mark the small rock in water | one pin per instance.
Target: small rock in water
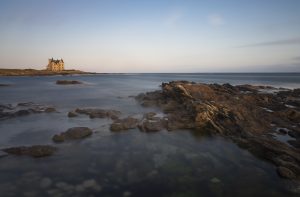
(124, 124)
(99, 113)
(50, 109)
(215, 180)
(33, 151)
(67, 82)
(72, 114)
(73, 134)
(45, 183)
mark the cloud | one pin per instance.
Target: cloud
(216, 20)
(291, 41)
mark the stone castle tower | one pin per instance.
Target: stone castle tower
(55, 65)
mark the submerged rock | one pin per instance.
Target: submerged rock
(67, 82)
(33, 151)
(73, 134)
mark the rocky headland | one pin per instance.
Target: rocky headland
(33, 72)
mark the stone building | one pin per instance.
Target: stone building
(55, 65)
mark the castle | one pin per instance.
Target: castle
(56, 65)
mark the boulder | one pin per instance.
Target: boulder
(73, 134)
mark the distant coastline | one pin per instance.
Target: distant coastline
(34, 72)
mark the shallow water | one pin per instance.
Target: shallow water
(132, 163)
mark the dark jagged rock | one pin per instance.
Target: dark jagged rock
(244, 113)
(73, 134)
(23, 109)
(67, 82)
(99, 113)
(33, 151)
(124, 124)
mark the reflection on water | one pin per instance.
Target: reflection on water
(180, 163)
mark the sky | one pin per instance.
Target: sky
(137, 36)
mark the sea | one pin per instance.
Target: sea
(181, 163)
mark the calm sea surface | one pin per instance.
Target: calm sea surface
(178, 163)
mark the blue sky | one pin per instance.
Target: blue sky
(152, 36)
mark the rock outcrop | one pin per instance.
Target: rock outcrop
(249, 115)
